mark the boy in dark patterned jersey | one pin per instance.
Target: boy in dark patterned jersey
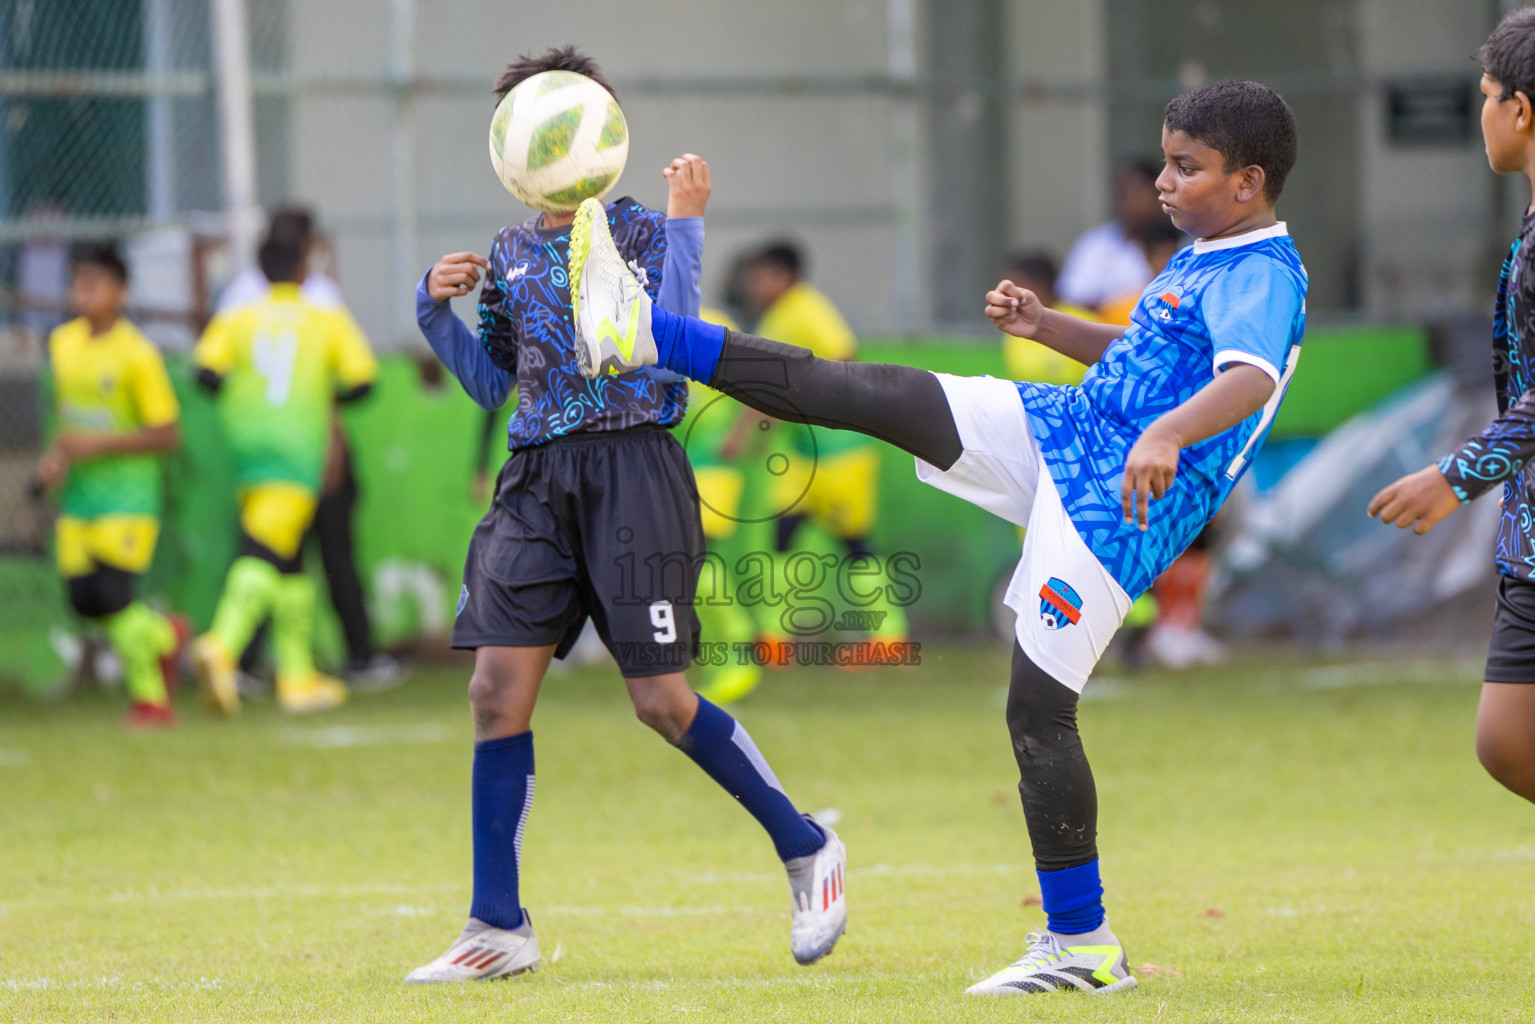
(595, 515)
(1501, 454)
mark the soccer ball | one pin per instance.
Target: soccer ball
(558, 138)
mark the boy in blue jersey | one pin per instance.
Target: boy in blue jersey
(595, 515)
(1501, 454)
(1112, 479)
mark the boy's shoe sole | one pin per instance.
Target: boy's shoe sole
(608, 302)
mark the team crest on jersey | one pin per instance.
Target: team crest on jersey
(1166, 304)
(1059, 605)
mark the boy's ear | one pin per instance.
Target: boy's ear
(1524, 120)
(1250, 181)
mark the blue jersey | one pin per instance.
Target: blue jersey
(1232, 300)
(1501, 454)
(527, 338)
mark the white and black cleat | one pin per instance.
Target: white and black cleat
(608, 300)
(1098, 969)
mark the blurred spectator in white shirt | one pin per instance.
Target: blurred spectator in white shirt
(251, 285)
(1108, 261)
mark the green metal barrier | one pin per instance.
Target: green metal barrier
(414, 446)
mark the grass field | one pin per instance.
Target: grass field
(1284, 842)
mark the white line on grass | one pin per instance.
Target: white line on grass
(236, 893)
(576, 910)
(117, 984)
(734, 983)
(335, 736)
(869, 870)
(1333, 677)
(600, 911)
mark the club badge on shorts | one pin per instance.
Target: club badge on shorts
(1059, 605)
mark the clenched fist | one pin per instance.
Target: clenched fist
(454, 275)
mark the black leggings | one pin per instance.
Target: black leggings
(908, 408)
(103, 591)
(1055, 782)
(899, 404)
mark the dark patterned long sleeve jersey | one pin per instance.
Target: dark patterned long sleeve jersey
(1502, 453)
(526, 329)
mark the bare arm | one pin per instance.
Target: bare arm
(1018, 311)
(1220, 405)
(68, 448)
(77, 447)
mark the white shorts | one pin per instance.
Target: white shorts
(1068, 605)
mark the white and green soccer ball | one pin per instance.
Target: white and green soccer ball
(558, 138)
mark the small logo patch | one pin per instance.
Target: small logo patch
(1167, 304)
(1059, 605)
(463, 598)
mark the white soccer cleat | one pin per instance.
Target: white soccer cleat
(1049, 967)
(820, 904)
(607, 298)
(482, 953)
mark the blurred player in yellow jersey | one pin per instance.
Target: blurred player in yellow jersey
(1029, 360)
(116, 415)
(725, 507)
(1160, 241)
(838, 473)
(278, 367)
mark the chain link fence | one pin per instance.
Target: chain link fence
(107, 131)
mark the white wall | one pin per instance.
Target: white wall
(808, 165)
(1427, 217)
(1058, 175)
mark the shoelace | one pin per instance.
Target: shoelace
(1042, 950)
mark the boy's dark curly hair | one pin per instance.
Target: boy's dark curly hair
(1246, 122)
(559, 58)
(1508, 55)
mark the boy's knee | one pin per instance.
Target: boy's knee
(487, 686)
(662, 708)
(1039, 704)
(1507, 760)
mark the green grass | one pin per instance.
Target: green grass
(1287, 842)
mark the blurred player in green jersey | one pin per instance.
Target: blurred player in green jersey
(116, 415)
(278, 367)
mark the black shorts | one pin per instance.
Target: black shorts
(1511, 652)
(601, 525)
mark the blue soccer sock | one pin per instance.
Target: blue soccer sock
(685, 345)
(501, 796)
(1073, 898)
(723, 748)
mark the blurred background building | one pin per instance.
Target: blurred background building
(907, 143)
